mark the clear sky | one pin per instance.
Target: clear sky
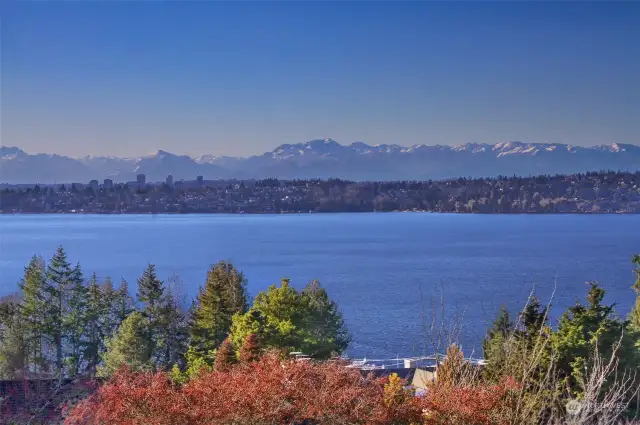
(130, 77)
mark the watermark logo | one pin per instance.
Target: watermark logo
(573, 407)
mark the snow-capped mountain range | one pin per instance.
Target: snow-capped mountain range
(325, 158)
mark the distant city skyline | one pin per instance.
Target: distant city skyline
(238, 79)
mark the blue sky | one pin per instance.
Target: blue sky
(130, 77)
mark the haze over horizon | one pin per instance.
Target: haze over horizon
(129, 78)
(307, 142)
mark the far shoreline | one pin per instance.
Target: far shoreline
(142, 213)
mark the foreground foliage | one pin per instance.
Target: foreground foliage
(276, 391)
(226, 360)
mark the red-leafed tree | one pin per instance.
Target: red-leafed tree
(250, 350)
(225, 356)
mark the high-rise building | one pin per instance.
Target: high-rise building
(200, 180)
(108, 184)
(169, 180)
(142, 179)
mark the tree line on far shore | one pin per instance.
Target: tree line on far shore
(593, 192)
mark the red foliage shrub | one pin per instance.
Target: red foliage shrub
(267, 391)
(478, 404)
(132, 398)
(272, 390)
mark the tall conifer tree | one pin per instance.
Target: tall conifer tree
(13, 348)
(150, 288)
(33, 309)
(174, 333)
(324, 322)
(59, 277)
(223, 295)
(96, 316)
(74, 321)
(150, 294)
(123, 305)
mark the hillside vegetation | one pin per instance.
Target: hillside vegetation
(603, 192)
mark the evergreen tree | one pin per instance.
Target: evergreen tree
(150, 288)
(74, 321)
(172, 334)
(225, 356)
(59, 279)
(109, 307)
(533, 318)
(284, 318)
(150, 295)
(255, 322)
(122, 305)
(13, 347)
(108, 286)
(324, 322)
(196, 363)
(502, 327)
(166, 324)
(277, 317)
(96, 317)
(34, 309)
(582, 330)
(223, 295)
(116, 305)
(177, 376)
(129, 346)
(497, 344)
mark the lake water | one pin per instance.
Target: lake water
(386, 271)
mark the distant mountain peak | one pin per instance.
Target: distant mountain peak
(324, 158)
(160, 153)
(322, 142)
(8, 152)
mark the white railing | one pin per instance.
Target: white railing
(404, 362)
(394, 363)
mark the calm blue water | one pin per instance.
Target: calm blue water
(374, 265)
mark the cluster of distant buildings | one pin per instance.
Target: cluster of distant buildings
(141, 181)
(109, 184)
(605, 192)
